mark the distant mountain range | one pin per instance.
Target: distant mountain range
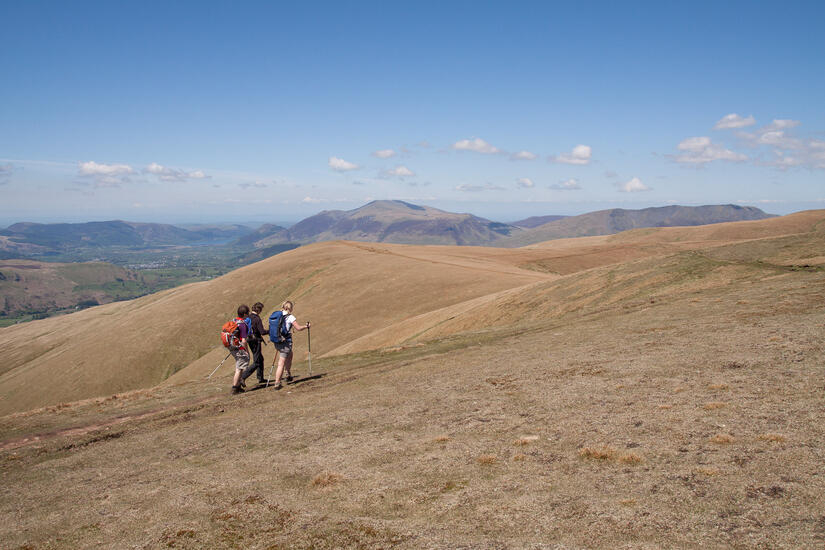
(616, 220)
(405, 223)
(386, 221)
(378, 221)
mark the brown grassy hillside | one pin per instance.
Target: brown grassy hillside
(359, 296)
(671, 401)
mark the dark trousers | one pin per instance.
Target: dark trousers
(257, 360)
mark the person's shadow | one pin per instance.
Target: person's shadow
(295, 381)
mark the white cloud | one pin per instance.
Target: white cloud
(782, 124)
(341, 165)
(567, 185)
(311, 200)
(633, 186)
(92, 168)
(399, 171)
(525, 183)
(734, 121)
(105, 175)
(788, 151)
(165, 173)
(523, 155)
(579, 155)
(477, 144)
(701, 150)
(384, 153)
(466, 188)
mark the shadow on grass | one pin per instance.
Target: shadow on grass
(294, 382)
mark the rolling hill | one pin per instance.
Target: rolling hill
(399, 293)
(657, 388)
(616, 220)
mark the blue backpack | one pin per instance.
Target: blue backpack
(277, 328)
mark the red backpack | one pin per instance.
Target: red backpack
(230, 333)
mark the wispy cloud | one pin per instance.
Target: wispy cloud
(571, 184)
(6, 171)
(255, 185)
(384, 153)
(467, 188)
(476, 144)
(523, 155)
(341, 165)
(635, 185)
(701, 150)
(787, 150)
(525, 183)
(105, 175)
(579, 155)
(164, 173)
(734, 121)
(399, 172)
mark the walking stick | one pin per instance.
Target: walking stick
(219, 366)
(309, 348)
(270, 370)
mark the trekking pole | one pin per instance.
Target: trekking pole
(270, 370)
(219, 366)
(309, 348)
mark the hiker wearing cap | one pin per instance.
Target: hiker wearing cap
(255, 341)
(239, 347)
(280, 333)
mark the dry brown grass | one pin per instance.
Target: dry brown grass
(628, 502)
(722, 439)
(720, 387)
(519, 457)
(609, 454)
(521, 442)
(666, 407)
(772, 437)
(707, 471)
(326, 479)
(442, 439)
(487, 460)
(713, 405)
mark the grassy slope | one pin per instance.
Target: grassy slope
(678, 405)
(346, 290)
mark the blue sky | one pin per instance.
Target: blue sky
(199, 111)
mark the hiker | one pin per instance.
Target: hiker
(280, 333)
(255, 341)
(239, 347)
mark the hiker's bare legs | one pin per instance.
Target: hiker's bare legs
(284, 363)
(237, 380)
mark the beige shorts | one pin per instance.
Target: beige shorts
(241, 358)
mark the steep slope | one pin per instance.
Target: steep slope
(37, 287)
(606, 222)
(346, 289)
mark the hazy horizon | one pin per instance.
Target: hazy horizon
(257, 221)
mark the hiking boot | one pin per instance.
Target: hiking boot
(236, 389)
(243, 384)
(289, 379)
(261, 382)
(277, 386)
